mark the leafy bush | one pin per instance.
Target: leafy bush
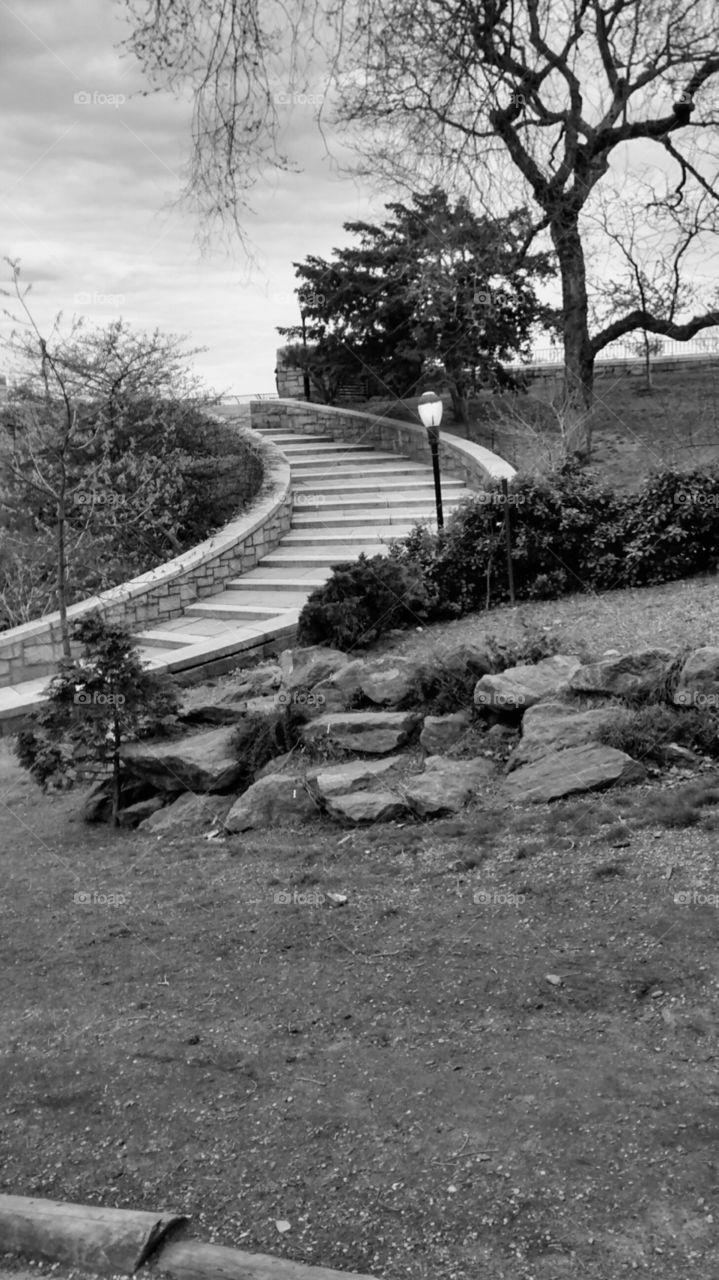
(362, 600)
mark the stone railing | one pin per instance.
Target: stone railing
(32, 651)
(469, 462)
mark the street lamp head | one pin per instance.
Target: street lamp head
(430, 409)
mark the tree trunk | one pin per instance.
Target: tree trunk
(62, 572)
(578, 354)
(458, 394)
(647, 362)
(116, 769)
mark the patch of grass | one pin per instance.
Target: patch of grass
(646, 732)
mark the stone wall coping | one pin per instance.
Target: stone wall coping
(273, 493)
(494, 467)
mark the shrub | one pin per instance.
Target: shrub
(362, 600)
(95, 703)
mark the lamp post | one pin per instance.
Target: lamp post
(430, 411)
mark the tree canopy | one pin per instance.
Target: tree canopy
(434, 289)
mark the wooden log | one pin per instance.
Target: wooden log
(90, 1236)
(191, 1260)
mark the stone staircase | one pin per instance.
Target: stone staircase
(348, 499)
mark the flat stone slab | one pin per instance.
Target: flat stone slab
(373, 732)
(514, 690)
(272, 801)
(555, 726)
(200, 762)
(698, 684)
(440, 732)
(446, 786)
(368, 806)
(188, 815)
(354, 775)
(624, 675)
(562, 773)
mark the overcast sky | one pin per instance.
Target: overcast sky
(88, 187)
(91, 169)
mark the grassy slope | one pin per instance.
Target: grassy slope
(397, 1078)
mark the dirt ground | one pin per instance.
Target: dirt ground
(498, 1059)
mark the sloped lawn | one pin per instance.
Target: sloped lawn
(497, 1060)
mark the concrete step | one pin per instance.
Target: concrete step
(296, 437)
(366, 475)
(308, 559)
(300, 445)
(330, 537)
(353, 458)
(167, 639)
(384, 483)
(290, 598)
(278, 579)
(227, 606)
(351, 512)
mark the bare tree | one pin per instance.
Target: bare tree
(656, 266)
(525, 101)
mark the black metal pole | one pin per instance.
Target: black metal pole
(508, 538)
(434, 446)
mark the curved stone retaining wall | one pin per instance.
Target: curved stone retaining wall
(469, 462)
(33, 650)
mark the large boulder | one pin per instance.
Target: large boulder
(368, 806)
(477, 656)
(388, 681)
(353, 775)
(372, 732)
(698, 684)
(624, 675)
(446, 786)
(514, 690)
(304, 668)
(189, 815)
(554, 726)
(441, 732)
(274, 801)
(204, 762)
(562, 773)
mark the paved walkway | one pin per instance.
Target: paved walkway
(348, 498)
